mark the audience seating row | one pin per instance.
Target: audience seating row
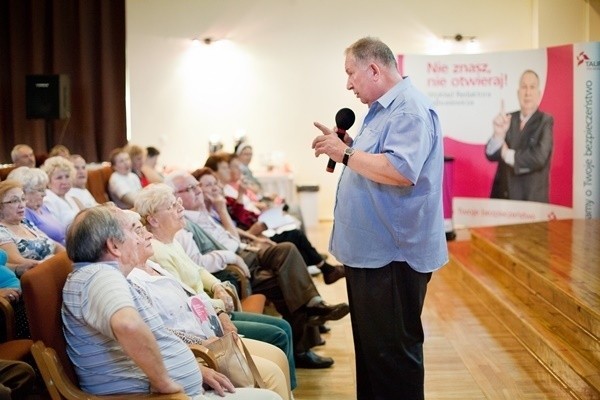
(97, 181)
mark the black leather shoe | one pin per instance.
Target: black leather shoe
(324, 329)
(333, 274)
(312, 360)
(322, 312)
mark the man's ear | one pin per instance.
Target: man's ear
(375, 71)
(113, 248)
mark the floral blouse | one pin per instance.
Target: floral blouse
(36, 248)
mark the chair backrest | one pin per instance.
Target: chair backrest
(8, 315)
(4, 171)
(11, 348)
(42, 289)
(97, 183)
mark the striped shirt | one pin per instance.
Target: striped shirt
(91, 296)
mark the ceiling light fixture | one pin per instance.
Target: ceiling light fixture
(460, 37)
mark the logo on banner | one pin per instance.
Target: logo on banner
(583, 58)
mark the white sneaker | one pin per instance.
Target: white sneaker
(313, 270)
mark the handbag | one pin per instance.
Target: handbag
(234, 361)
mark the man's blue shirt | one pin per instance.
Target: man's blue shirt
(375, 224)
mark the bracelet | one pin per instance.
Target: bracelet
(220, 312)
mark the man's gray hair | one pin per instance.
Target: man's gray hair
(30, 178)
(175, 175)
(90, 230)
(372, 49)
(14, 154)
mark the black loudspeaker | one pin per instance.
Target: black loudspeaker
(48, 97)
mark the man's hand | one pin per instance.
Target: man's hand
(262, 242)
(239, 261)
(167, 386)
(329, 143)
(217, 381)
(501, 123)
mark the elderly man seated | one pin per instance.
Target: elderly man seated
(115, 338)
(22, 156)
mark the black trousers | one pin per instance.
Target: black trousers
(385, 310)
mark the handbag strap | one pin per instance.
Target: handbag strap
(258, 380)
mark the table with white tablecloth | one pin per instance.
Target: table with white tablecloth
(280, 183)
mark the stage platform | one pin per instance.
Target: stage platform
(542, 282)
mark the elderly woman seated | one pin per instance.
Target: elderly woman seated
(23, 242)
(162, 214)
(173, 305)
(60, 173)
(34, 182)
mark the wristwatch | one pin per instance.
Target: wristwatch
(347, 153)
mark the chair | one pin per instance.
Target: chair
(42, 287)
(254, 303)
(4, 171)
(60, 386)
(97, 183)
(237, 271)
(11, 348)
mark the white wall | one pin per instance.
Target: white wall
(282, 66)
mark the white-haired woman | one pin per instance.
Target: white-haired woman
(34, 182)
(60, 173)
(162, 214)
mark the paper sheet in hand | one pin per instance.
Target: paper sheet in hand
(275, 219)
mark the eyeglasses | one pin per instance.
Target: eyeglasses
(178, 202)
(15, 201)
(189, 189)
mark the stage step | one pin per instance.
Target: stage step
(558, 328)
(559, 260)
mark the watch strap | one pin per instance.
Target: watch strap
(349, 151)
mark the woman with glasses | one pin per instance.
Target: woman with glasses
(34, 182)
(24, 243)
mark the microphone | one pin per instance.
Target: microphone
(344, 119)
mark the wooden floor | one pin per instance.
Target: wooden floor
(473, 349)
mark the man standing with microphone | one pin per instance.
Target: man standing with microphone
(388, 220)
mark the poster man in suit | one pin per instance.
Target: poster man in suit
(522, 146)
